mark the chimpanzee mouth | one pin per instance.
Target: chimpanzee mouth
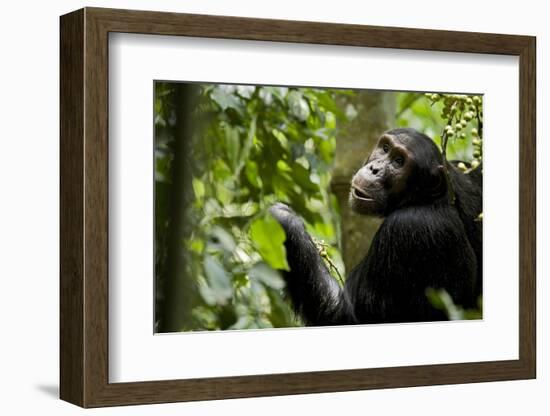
(360, 194)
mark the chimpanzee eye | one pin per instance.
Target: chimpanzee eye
(399, 161)
(386, 148)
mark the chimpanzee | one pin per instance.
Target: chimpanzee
(430, 238)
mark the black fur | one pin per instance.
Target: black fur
(427, 241)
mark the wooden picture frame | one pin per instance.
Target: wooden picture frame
(84, 207)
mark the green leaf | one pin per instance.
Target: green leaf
(245, 91)
(223, 194)
(218, 279)
(239, 210)
(266, 275)
(221, 171)
(282, 315)
(279, 135)
(198, 188)
(247, 146)
(282, 166)
(224, 238)
(298, 106)
(233, 144)
(440, 299)
(196, 245)
(435, 299)
(326, 149)
(244, 322)
(226, 99)
(330, 120)
(268, 237)
(302, 177)
(252, 174)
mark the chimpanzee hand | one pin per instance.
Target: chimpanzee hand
(289, 220)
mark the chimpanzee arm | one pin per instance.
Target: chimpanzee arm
(315, 294)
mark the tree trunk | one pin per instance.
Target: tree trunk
(375, 114)
(180, 292)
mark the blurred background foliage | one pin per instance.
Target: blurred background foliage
(223, 155)
(430, 114)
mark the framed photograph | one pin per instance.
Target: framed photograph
(255, 207)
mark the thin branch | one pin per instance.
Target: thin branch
(444, 143)
(322, 249)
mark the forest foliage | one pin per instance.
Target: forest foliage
(250, 146)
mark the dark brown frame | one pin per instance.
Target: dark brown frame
(84, 210)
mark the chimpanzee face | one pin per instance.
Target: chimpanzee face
(397, 173)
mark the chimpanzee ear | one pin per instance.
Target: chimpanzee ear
(438, 186)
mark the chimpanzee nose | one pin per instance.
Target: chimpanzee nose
(373, 169)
